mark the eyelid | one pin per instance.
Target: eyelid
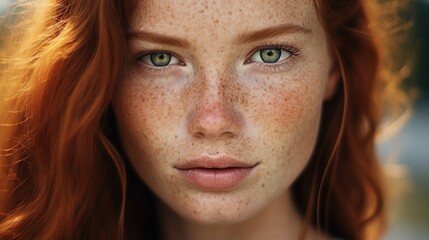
(141, 55)
(292, 50)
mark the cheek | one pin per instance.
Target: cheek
(287, 123)
(132, 113)
(144, 110)
(288, 111)
(143, 115)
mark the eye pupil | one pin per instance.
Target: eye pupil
(270, 55)
(160, 59)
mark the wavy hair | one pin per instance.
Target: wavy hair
(62, 173)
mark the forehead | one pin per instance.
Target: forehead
(200, 17)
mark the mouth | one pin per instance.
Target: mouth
(219, 173)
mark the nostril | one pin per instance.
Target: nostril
(227, 134)
(199, 135)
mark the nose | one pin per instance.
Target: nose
(214, 116)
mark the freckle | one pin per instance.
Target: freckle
(263, 185)
(243, 100)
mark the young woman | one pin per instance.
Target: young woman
(191, 120)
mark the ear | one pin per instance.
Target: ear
(332, 82)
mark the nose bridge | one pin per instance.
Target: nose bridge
(214, 114)
(214, 87)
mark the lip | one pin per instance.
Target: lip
(215, 173)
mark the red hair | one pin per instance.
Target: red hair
(61, 170)
(347, 194)
(60, 166)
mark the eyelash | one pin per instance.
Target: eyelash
(155, 69)
(294, 52)
(271, 66)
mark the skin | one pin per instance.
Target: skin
(217, 100)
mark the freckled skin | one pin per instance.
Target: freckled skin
(216, 104)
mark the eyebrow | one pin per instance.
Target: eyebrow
(270, 33)
(158, 38)
(240, 39)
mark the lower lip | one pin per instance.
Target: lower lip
(215, 179)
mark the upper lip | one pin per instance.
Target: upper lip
(213, 162)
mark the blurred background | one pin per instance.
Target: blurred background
(406, 155)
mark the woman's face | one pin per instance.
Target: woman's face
(219, 108)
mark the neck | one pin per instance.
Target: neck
(278, 220)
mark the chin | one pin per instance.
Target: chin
(215, 209)
(218, 216)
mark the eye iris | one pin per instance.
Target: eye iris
(160, 59)
(270, 55)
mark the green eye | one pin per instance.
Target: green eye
(160, 59)
(270, 55)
